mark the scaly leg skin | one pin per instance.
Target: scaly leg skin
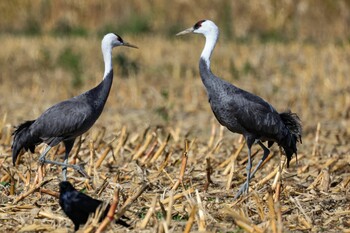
(266, 153)
(68, 145)
(78, 168)
(245, 186)
(43, 155)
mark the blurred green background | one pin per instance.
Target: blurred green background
(267, 20)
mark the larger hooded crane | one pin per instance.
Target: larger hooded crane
(242, 112)
(65, 121)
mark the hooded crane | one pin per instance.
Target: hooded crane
(65, 121)
(242, 112)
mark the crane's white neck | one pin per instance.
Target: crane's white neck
(210, 43)
(107, 57)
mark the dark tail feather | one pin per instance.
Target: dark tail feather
(293, 123)
(22, 139)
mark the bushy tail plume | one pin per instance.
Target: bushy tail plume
(22, 139)
(293, 123)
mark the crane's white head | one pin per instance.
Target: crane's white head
(205, 27)
(112, 40)
(211, 33)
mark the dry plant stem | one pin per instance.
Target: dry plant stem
(165, 227)
(50, 192)
(100, 136)
(232, 158)
(122, 139)
(274, 172)
(229, 178)
(166, 161)
(279, 217)
(75, 156)
(2, 123)
(212, 134)
(242, 221)
(28, 176)
(32, 190)
(277, 177)
(160, 150)
(201, 220)
(8, 136)
(208, 173)
(92, 156)
(267, 159)
(317, 137)
(179, 195)
(276, 185)
(41, 174)
(148, 156)
(191, 219)
(12, 186)
(149, 213)
(214, 149)
(272, 214)
(5, 177)
(130, 200)
(183, 166)
(277, 191)
(162, 209)
(259, 205)
(110, 215)
(307, 218)
(142, 149)
(103, 156)
(170, 207)
(325, 182)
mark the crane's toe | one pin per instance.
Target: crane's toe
(81, 170)
(244, 189)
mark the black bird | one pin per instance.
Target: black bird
(242, 112)
(65, 121)
(78, 206)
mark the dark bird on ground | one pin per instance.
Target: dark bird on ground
(242, 112)
(79, 206)
(65, 121)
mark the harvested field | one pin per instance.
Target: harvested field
(158, 138)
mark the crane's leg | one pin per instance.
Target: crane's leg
(43, 155)
(266, 153)
(68, 145)
(245, 187)
(75, 167)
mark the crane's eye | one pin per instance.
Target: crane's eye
(198, 24)
(120, 39)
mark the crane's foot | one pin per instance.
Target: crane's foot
(244, 189)
(78, 168)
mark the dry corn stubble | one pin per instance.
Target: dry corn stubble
(130, 144)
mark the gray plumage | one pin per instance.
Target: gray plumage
(65, 121)
(242, 112)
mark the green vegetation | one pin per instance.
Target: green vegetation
(71, 61)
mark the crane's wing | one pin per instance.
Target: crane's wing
(64, 119)
(255, 115)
